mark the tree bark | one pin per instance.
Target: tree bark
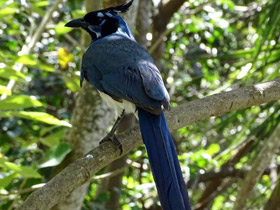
(81, 170)
(142, 22)
(273, 202)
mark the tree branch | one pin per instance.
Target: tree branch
(222, 173)
(273, 202)
(81, 170)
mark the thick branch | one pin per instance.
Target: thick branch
(82, 169)
(273, 202)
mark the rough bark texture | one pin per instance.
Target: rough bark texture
(142, 22)
(262, 160)
(273, 202)
(81, 170)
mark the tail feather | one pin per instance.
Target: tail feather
(164, 161)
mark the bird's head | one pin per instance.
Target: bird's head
(104, 22)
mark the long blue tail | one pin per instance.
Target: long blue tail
(164, 161)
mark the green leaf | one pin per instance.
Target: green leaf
(56, 155)
(36, 116)
(19, 102)
(7, 11)
(61, 29)
(4, 90)
(29, 172)
(77, 13)
(32, 61)
(25, 171)
(9, 73)
(73, 82)
(53, 139)
(29, 60)
(46, 130)
(45, 67)
(5, 181)
(42, 4)
(213, 148)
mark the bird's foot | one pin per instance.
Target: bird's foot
(112, 138)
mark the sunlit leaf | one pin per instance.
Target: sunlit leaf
(42, 3)
(9, 73)
(4, 90)
(61, 29)
(19, 102)
(213, 148)
(29, 60)
(56, 155)
(25, 171)
(7, 11)
(36, 116)
(77, 13)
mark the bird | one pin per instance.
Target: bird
(127, 78)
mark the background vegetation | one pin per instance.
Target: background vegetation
(202, 47)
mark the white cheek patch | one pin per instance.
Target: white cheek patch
(96, 30)
(100, 15)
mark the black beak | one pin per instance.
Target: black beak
(76, 23)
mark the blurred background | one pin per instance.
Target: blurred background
(201, 47)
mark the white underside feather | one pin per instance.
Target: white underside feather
(119, 106)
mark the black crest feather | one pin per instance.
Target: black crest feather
(122, 8)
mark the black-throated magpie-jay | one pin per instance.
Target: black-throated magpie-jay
(126, 77)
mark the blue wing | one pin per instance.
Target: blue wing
(123, 69)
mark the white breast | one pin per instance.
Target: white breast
(119, 106)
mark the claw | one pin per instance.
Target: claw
(111, 136)
(114, 139)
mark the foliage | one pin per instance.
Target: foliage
(213, 46)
